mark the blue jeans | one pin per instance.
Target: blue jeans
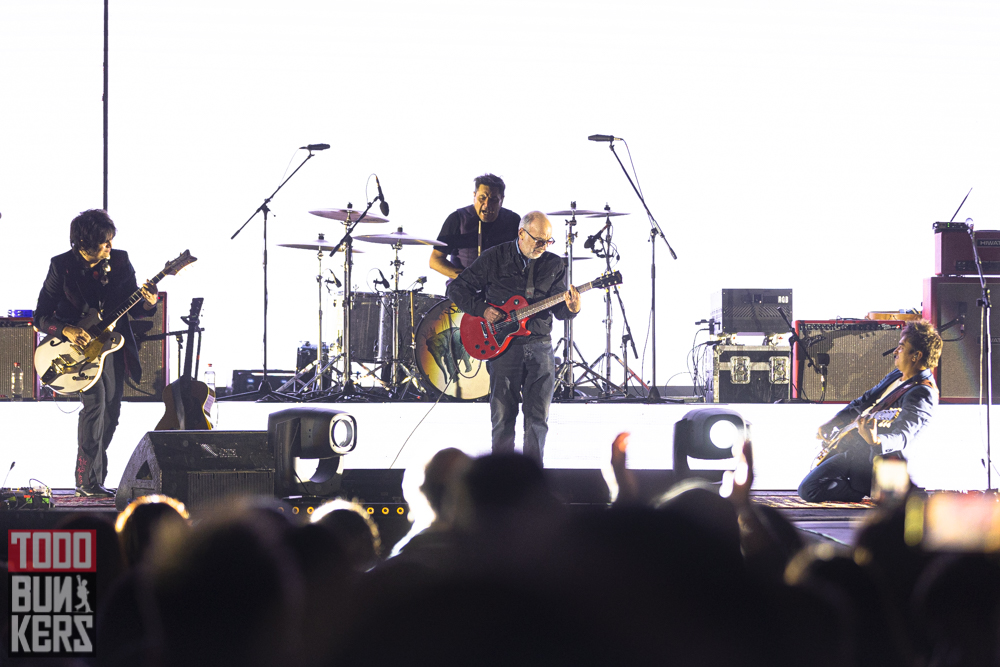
(842, 477)
(524, 373)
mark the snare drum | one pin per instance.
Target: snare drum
(442, 360)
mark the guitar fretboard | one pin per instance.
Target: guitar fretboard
(128, 305)
(545, 304)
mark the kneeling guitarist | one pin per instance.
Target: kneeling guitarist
(880, 423)
(525, 371)
(92, 275)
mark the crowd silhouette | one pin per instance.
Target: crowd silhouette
(508, 575)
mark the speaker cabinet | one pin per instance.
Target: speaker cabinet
(854, 354)
(202, 469)
(17, 344)
(152, 355)
(951, 305)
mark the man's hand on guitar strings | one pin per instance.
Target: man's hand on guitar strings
(76, 335)
(493, 315)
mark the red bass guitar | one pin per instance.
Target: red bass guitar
(483, 340)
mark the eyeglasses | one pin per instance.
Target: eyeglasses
(538, 241)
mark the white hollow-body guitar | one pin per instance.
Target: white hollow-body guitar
(67, 368)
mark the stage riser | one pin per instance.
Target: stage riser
(41, 438)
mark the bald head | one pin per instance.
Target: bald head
(532, 235)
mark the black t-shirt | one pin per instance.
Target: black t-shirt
(460, 233)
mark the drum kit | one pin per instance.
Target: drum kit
(404, 340)
(409, 343)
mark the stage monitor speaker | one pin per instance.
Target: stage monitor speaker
(951, 305)
(18, 340)
(202, 469)
(854, 352)
(152, 355)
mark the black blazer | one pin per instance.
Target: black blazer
(71, 289)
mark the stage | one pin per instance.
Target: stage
(40, 437)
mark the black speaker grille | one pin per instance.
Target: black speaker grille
(215, 488)
(17, 343)
(152, 356)
(856, 362)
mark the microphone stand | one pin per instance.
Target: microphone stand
(655, 230)
(264, 390)
(795, 340)
(985, 353)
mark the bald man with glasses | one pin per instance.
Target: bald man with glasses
(525, 372)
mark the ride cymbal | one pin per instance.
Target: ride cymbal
(342, 214)
(398, 237)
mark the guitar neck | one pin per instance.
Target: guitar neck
(135, 298)
(551, 301)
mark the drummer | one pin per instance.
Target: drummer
(469, 231)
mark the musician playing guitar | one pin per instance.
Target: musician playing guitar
(525, 371)
(902, 403)
(92, 275)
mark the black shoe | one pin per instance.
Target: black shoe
(93, 491)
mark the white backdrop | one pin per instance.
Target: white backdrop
(780, 143)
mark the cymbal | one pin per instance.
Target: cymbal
(606, 214)
(575, 259)
(579, 211)
(316, 244)
(398, 236)
(342, 213)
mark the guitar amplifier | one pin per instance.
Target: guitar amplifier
(17, 344)
(951, 305)
(152, 356)
(752, 311)
(853, 351)
(953, 250)
(751, 373)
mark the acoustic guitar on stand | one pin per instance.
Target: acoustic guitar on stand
(67, 368)
(484, 341)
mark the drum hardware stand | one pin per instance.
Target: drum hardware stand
(655, 231)
(264, 389)
(605, 252)
(565, 386)
(317, 380)
(397, 365)
(348, 389)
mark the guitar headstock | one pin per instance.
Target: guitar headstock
(174, 266)
(608, 280)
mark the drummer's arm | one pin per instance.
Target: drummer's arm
(439, 262)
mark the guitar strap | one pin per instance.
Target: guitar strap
(529, 292)
(898, 393)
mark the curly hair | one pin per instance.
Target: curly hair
(924, 338)
(492, 181)
(90, 230)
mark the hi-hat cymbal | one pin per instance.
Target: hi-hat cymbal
(343, 213)
(316, 244)
(606, 214)
(579, 211)
(398, 236)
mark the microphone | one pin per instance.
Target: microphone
(383, 282)
(334, 276)
(384, 206)
(314, 147)
(589, 245)
(604, 137)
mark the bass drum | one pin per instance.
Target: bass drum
(443, 363)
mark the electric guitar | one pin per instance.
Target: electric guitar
(67, 368)
(842, 440)
(187, 402)
(485, 341)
